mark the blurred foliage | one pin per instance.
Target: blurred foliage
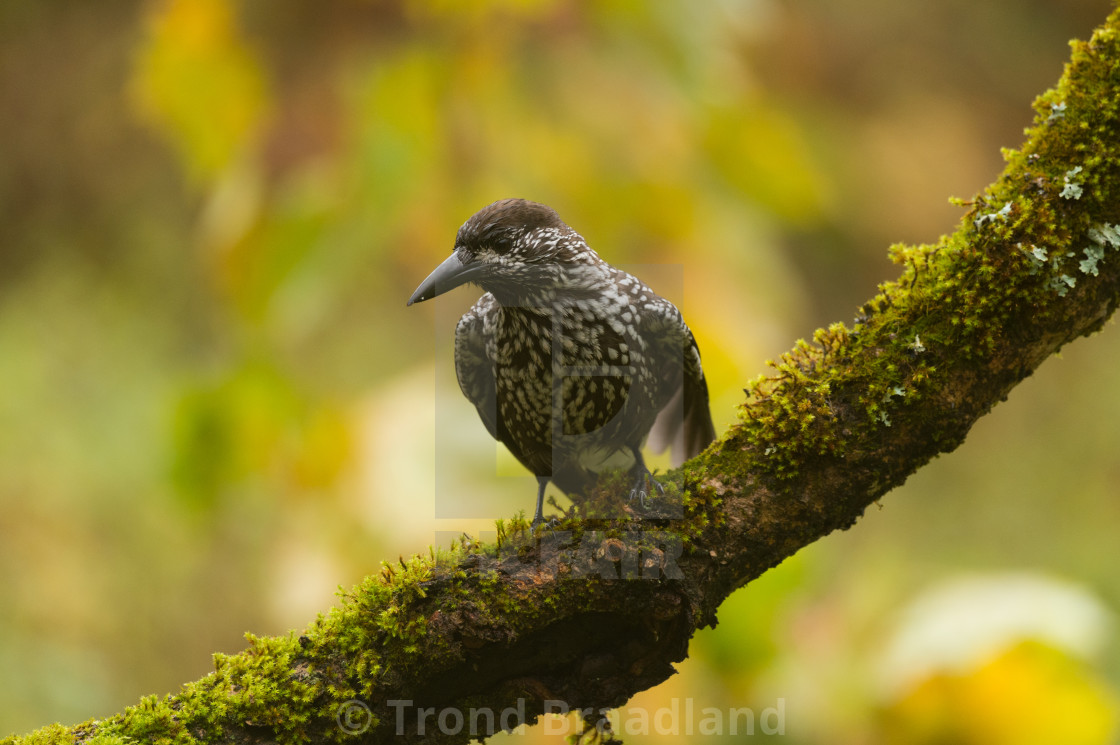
(254, 422)
(197, 80)
(1029, 694)
(216, 408)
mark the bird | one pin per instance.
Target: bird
(570, 362)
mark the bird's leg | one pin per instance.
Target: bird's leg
(542, 482)
(643, 479)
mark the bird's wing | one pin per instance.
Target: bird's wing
(684, 424)
(473, 368)
(699, 432)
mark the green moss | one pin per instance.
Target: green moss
(52, 734)
(1036, 235)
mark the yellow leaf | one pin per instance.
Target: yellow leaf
(199, 84)
(1031, 694)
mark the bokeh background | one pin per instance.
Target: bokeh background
(215, 408)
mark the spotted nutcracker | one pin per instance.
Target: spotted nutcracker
(569, 361)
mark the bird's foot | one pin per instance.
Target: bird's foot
(641, 488)
(538, 516)
(550, 524)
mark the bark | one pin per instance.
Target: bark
(596, 610)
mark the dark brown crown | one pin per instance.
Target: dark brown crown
(498, 225)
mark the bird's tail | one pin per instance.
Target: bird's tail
(684, 426)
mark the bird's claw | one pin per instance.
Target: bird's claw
(639, 491)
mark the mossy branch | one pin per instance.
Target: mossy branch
(593, 612)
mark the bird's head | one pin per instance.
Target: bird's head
(513, 248)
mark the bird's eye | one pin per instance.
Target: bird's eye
(501, 243)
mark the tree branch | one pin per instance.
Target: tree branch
(596, 611)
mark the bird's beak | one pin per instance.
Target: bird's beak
(447, 276)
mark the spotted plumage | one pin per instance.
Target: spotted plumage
(568, 360)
